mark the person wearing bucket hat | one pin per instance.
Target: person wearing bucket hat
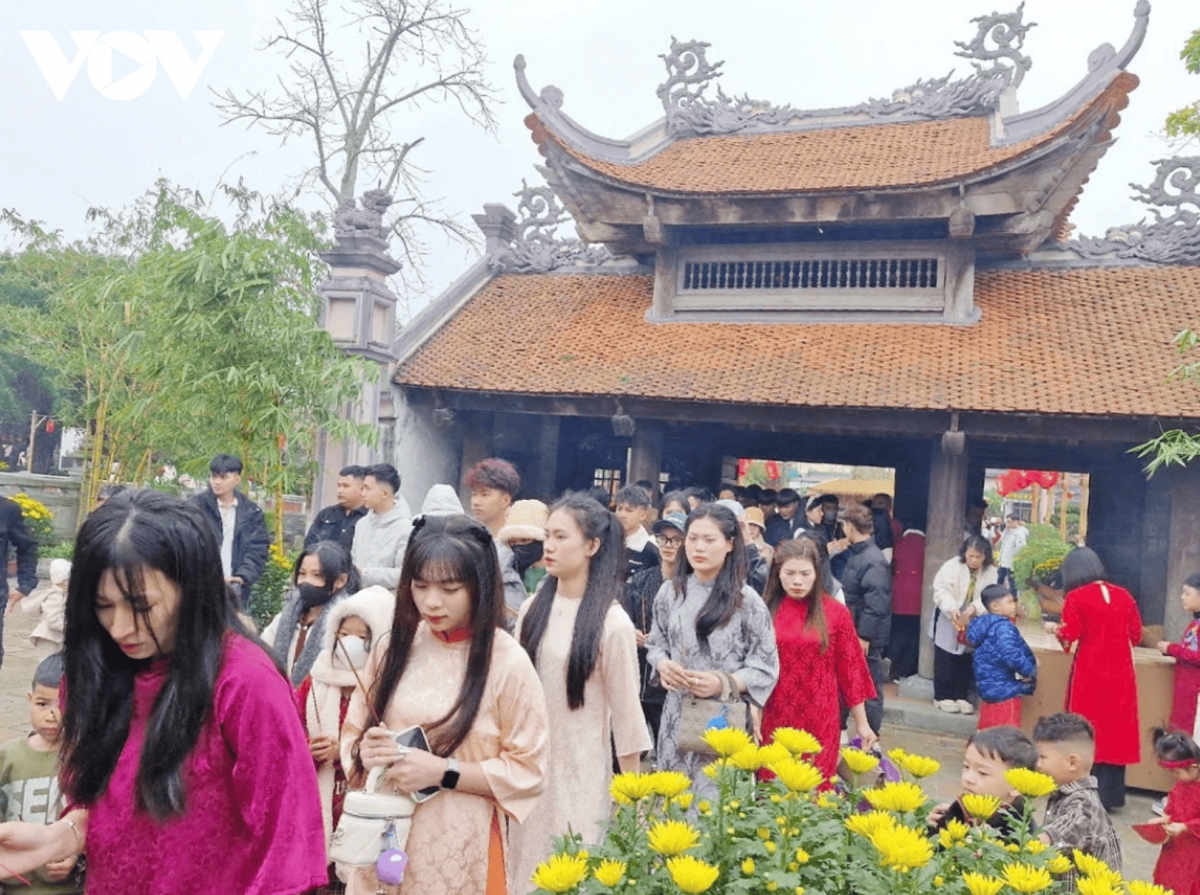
(523, 533)
(639, 603)
(756, 526)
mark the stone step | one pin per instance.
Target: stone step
(924, 715)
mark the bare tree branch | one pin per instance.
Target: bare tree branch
(353, 86)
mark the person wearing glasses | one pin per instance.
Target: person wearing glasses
(639, 603)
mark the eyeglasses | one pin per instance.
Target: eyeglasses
(669, 542)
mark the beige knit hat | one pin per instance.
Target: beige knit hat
(525, 519)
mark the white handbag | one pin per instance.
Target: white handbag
(369, 821)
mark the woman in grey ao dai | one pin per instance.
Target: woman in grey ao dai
(709, 620)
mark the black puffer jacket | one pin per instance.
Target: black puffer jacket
(867, 584)
(250, 537)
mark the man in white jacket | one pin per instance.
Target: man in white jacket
(381, 536)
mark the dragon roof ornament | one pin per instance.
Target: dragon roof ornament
(1169, 239)
(996, 52)
(535, 246)
(689, 73)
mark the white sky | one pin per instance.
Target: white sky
(59, 157)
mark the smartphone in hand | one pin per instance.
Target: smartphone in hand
(414, 738)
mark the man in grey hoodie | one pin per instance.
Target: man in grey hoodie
(381, 536)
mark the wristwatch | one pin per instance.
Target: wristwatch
(450, 778)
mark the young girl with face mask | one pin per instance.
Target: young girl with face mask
(352, 627)
(322, 575)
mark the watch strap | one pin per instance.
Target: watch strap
(450, 777)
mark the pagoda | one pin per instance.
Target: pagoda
(894, 283)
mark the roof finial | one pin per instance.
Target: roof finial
(1008, 31)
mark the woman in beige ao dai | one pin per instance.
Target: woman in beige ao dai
(447, 650)
(576, 615)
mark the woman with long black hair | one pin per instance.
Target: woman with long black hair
(708, 623)
(449, 667)
(184, 761)
(585, 649)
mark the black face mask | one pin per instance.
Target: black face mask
(527, 554)
(313, 595)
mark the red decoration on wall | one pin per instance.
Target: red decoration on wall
(743, 467)
(772, 469)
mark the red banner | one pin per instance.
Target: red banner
(772, 469)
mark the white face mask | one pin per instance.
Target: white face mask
(354, 647)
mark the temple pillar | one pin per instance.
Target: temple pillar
(476, 446)
(948, 473)
(646, 459)
(1183, 543)
(546, 472)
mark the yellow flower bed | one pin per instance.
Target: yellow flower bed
(800, 834)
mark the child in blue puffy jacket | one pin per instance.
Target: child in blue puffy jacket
(1005, 669)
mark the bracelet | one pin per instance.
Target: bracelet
(78, 834)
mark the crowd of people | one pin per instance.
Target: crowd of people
(498, 663)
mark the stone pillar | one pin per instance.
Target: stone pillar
(944, 528)
(543, 487)
(476, 446)
(1183, 549)
(646, 459)
(359, 311)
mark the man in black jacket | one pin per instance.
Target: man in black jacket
(238, 524)
(14, 534)
(786, 520)
(336, 523)
(867, 584)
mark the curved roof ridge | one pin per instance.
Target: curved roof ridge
(918, 103)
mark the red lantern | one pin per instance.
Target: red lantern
(772, 469)
(743, 467)
(1010, 482)
(50, 427)
(1045, 479)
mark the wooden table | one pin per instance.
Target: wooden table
(1155, 686)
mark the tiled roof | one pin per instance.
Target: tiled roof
(877, 156)
(1093, 341)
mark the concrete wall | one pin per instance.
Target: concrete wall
(426, 453)
(59, 493)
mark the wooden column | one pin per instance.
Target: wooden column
(1183, 550)
(476, 446)
(546, 474)
(944, 529)
(646, 460)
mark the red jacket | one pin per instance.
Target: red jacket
(908, 564)
(1104, 620)
(1187, 678)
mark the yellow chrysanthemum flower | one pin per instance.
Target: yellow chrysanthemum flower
(956, 829)
(668, 784)
(826, 800)
(978, 884)
(1031, 784)
(769, 755)
(858, 761)
(691, 874)
(1138, 887)
(1094, 867)
(1058, 865)
(802, 857)
(798, 742)
(798, 776)
(747, 759)
(920, 766)
(1035, 846)
(897, 754)
(561, 873)
(902, 848)
(631, 787)
(901, 797)
(610, 872)
(869, 824)
(1026, 879)
(939, 881)
(712, 770)
(981, 807)
(748, 867)
(727, 741)
(673, 837)
(1094, 885)
(684, 800)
